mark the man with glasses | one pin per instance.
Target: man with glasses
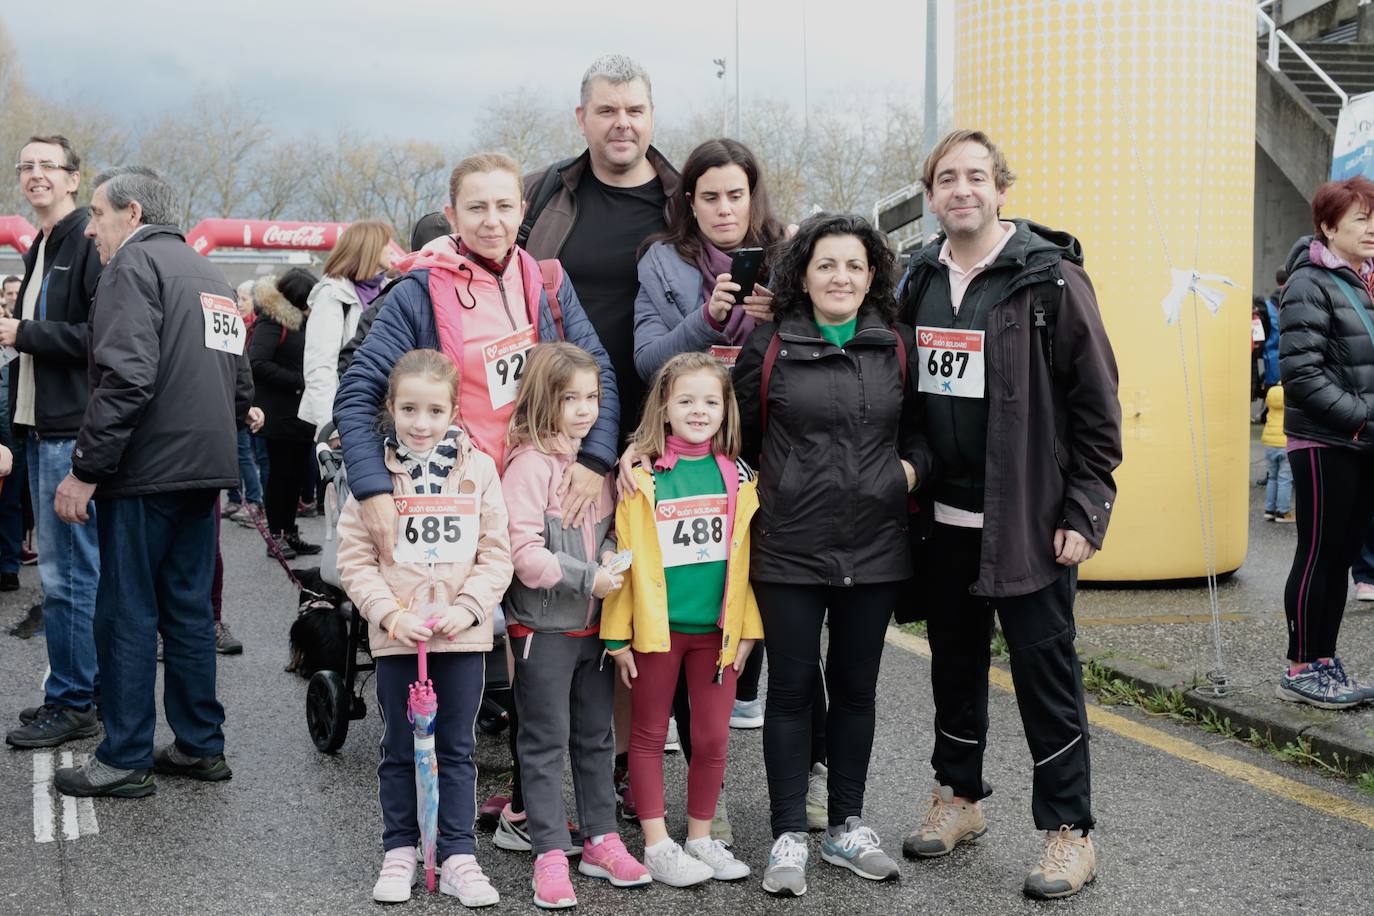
(47, 400)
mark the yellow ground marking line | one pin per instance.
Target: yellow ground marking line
(1260, 778)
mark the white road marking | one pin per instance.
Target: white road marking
(70, 831)
(78, 814)
(42, 798)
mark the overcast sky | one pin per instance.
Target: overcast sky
(421, 68)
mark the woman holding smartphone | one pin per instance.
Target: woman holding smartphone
(687, 297)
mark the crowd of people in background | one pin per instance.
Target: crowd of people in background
(647, 469)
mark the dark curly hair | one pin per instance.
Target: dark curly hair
(790, 262)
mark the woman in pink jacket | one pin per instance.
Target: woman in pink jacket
(451, 563)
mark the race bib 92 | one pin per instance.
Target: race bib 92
(505, 364)
(951, 362)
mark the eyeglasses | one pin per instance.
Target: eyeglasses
(47, 165)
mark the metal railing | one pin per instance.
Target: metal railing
(1277, 36)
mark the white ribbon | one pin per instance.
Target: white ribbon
(1187, 281)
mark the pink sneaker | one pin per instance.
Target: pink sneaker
(1364, 591)
(553, 889)
(463, 878)
(610, 859)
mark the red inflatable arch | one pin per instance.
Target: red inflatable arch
(16, 232)
(210, 234)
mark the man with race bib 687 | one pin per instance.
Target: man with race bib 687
(1022, 430)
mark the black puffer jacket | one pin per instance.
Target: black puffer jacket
(1326, 356)
(277, 353)
(832, 493)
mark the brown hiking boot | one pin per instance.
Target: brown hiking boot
(1068, 862)
(949, 822)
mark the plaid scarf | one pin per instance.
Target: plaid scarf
(442, 458)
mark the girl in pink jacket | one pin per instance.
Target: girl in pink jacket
(563, 686)
(450, 562)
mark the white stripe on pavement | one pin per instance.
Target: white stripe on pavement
(42, 798)
(78, 814)
(70, 831)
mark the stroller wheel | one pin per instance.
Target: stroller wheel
(327, 708)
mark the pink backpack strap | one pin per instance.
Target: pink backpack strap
(770, 356)
(551, 270)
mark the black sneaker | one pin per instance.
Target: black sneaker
(54, 725)
(301, 547)
(171, 761)
(31, 624)
(29, 713)
(287, 551)
(95, 778)
(9, 582)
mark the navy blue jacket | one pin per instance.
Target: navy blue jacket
(407, 323)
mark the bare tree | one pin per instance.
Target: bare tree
(531, 130)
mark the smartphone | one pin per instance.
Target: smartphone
(745, 265)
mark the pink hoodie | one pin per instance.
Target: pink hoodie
(473, 309)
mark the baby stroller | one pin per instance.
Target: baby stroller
(334, 698)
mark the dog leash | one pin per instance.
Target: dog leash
(273, 547)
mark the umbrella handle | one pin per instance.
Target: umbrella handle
(424, 661)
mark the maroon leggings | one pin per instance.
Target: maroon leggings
(651, 702)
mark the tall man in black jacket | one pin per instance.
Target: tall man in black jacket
(47, 397)
(1022, 431)
(157, 444)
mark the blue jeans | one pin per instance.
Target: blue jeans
(458, 679)
(264, 463)
(249, 478)
(1278, 492)
(69, 569)
(159, 554)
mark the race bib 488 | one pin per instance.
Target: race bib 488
(691, 529)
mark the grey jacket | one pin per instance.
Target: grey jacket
(164, 409)
(670, 313)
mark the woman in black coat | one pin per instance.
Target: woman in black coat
(276, 353)
(1326, 360)
(821, 396)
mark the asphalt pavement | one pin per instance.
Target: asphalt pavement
(296, 831)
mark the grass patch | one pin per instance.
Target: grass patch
(918, 628)
(1173, 704)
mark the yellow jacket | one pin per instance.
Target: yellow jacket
(638, 610)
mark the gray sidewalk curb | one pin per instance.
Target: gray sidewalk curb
(1331, 735)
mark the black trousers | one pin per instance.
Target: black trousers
(792, 617)
(290, 462)
(747, 688)
(1044, 668)
(1333, 493)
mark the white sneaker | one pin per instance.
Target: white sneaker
(714, 854)
(669, 864)
(460, 876)
(398, 874)
(1364, 591)
(818, 798)
(672, 744)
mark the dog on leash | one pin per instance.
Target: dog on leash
(319, 635)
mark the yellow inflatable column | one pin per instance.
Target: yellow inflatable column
(1131, 125)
